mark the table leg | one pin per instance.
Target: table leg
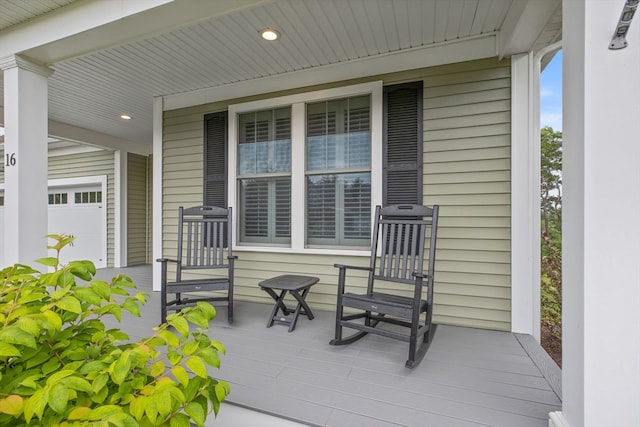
(279, 304)
(301, 304)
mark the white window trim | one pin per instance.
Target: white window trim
(297, 103)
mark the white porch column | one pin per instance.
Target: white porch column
(120, 158)
(25, 160)
(157, 190)
(601, 229)
(525, 197)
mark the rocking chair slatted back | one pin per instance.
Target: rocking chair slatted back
(202, 238)
(204, 243)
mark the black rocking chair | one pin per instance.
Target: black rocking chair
(204, 245)
(397, 256)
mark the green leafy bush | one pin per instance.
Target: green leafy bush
(60, 365)
(551, 287)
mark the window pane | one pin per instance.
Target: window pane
(265, 215)
(338, 134)
(264, 143)
(255, 208)
(339, 209)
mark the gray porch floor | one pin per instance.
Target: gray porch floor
(469, 377)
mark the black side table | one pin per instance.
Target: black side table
(294, 285)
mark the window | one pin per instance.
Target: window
(84, 197)
(58, 199)
(338, 145)
(264, 176)
(308, 168)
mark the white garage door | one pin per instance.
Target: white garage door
(79, 211)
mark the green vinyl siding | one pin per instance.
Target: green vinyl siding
(466, 170)
(137, 210)
(91, 164)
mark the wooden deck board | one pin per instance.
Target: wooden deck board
(469, 377)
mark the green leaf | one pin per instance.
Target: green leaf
(210, 355)
(122, 420)
(196, 412)
(79, 413)
(51, 366)
(113, 309)
(207, 309)
(181, 375)
(174, 357)
(152, 411)
(101, 288)
(58, 376)
(181, 325)
(58, 397)
(163, 403)
(14, 335)
(131, 306)
(196, 317)
(117, 335)
(7, 350)
(190, 348)
(219, 346)
(179, 420)
(35, 405)
(29, 325)
(170, 338)
(48, 261)
(69, 303)
(103, 412)
(221, 389)
(12, 405)
(99, 382)
(197, 366)
(54, 319)
(77, 383)
(88, 295)
(137, 405)
(61, 291)
(121, 368)
(157, 368)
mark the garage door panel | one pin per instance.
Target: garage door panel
(82, 222)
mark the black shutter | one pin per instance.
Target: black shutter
(215, 159)
(402, 130)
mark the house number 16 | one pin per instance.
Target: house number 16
(11, 159)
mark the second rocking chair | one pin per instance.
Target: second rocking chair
(203, 249)
(397, 257)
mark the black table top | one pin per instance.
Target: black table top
(289, 282)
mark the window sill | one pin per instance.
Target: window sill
(304, 251)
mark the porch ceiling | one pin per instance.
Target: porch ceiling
(95, 82)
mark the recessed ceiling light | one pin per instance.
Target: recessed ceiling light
(125, 117)
(269, 34)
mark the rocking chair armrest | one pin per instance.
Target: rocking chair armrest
(165, 260)
(353, 267)
(232, 257)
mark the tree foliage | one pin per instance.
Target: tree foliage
(551, 233)
(551, 182)
(61, 366)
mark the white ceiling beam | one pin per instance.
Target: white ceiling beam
(524, 23)
(90, 26)
(84, 136)
(97, 139)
